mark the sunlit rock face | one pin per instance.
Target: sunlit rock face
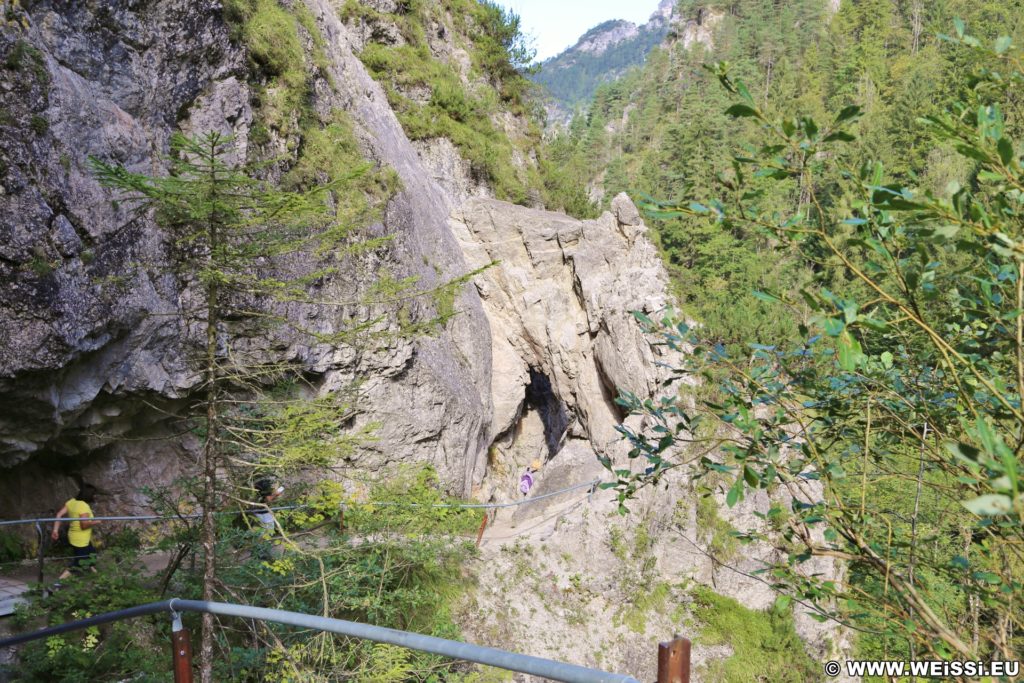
(558, 303)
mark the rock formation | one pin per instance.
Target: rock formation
(563, 342)
(89, 353)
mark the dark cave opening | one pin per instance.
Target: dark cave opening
(541, 397)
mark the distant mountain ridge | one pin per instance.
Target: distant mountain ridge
(601, 54)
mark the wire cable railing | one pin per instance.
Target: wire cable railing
(196, 515)
(38, 522)
(673, 656)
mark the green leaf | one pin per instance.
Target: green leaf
(782, 603)
(643, 318)
(886, 359)
(833, 327)
(743, 92)
(850, 354)
(810, 128)
(840, 136)
(739, 110)
(735, 493)
(1005, 148)
(987, 577)
(958, 25)
(963, 451)
(990, 505)
(1003, 43)
(765, 296)
(750, 476)
(1003, 483)
(850, 312)
(848, 113)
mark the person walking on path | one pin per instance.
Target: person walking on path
(267, 546)
(78, 510)
(526, 480)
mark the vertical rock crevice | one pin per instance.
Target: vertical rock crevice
(541, 398)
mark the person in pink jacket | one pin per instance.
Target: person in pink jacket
(526, 480)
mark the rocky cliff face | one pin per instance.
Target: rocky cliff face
(563, 341)
(603, 36)
(92, 349)
(93, 365)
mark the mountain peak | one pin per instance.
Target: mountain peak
(602, 54)
(666, 8)
(605, 35)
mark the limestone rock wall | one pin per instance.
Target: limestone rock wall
(92, 344)
(564, 343)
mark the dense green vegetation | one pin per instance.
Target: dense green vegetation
(434, 100)
(765, 646)
(671, 138)
(403, 579)
(572, 77)
(892, 417)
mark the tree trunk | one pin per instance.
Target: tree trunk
(917, 26)
(209, 532)
(210, 444)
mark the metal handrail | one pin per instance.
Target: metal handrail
(502, 659)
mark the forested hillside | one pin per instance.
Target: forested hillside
(601, 55)
(662, 132)
(837, 190)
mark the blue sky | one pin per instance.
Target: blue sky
(556, 24)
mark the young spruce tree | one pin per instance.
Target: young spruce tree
(243, 250)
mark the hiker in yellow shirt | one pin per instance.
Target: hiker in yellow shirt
(79, 531)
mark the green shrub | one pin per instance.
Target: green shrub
(765, 646)
(39, 125)
(128, 649)
(11, 547)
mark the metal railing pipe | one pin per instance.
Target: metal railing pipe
(77, 625)
(510, 661)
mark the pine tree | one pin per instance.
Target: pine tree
(236, 241)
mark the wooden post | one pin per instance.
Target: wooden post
(480, 533)
(181, 645)
(674, 661)
(41, 552)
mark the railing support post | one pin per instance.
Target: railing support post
(480, 532)
(181, 651)
(41, 552)
(674, 661)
